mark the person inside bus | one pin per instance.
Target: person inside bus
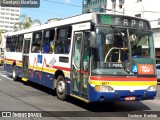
(46, 47)
(51, 47)
(118, 43)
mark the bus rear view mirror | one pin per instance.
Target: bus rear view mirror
(93, 39)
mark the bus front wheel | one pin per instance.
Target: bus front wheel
(61, 88)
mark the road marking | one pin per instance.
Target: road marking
(155, 101)
(0, 79)
(5, 76)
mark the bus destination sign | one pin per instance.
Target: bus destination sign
(122, 21)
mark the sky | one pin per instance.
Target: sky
(49, 9)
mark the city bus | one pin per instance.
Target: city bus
(94, 57)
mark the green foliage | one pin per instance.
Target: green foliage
(25, 23)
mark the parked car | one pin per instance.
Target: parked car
(158, 73)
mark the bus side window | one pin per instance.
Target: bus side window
(19, 43)
(36, 42)
(13, 44)
(62, 44)
(47, 43)
(8, 44)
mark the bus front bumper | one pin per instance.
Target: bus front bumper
(120, 95)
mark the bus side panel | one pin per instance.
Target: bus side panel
(19, 71)
(40, 77)
(46, 79)
(67, 85)
(12, 58)
(8, 68)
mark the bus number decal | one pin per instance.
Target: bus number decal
(145, 69)
(105, 83)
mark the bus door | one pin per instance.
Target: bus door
(80, 63)
(25, 57)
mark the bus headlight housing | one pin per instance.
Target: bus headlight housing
(102, 88)
(151, 88)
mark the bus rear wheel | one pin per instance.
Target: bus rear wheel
(14, 73)
(61, 88)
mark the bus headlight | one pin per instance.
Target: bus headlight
(102, 88)
(151, 88)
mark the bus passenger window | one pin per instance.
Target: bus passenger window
(19, 43)
(47, 43)
(8, 44)
(62, 44)
(36, 43)
(13, 44)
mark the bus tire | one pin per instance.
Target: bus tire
(61, 88)
(14, 73)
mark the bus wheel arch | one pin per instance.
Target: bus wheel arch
(60, 85)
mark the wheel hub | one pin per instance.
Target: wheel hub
(61, 87)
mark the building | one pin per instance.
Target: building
(94, 5)
(8, 17)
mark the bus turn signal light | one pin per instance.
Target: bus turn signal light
(102, 88)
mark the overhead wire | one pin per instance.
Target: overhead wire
(52, 12)
(62, 3)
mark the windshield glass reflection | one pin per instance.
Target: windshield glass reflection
(113, 49)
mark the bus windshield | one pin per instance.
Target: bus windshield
(116, 45)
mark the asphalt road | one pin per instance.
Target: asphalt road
(21, 96)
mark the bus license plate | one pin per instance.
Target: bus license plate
(130, 98)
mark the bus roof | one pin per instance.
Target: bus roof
(71, 20)
(75, 19)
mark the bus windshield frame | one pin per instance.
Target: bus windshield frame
(133, 46)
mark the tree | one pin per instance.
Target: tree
(25, 23)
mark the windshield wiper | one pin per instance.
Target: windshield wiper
(117, 30)
(139, 36)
